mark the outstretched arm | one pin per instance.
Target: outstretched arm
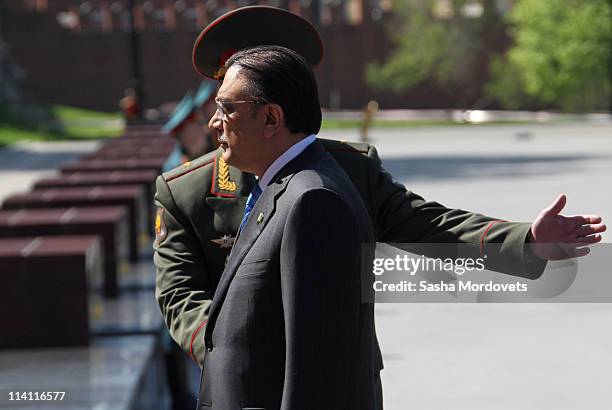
(400, 215)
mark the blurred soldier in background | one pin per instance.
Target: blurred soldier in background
(187, 123)
(130, 106)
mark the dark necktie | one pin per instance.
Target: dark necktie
(250, 204)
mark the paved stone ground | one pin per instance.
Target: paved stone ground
(23, 163)
(501, 356)
(468, 356)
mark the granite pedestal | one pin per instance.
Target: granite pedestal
(130, 196)
(108, 222)
(145, 179)
(113, 373)
(145, 151)
(101, 165)
(47, 281)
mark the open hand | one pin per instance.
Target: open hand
(555, 236)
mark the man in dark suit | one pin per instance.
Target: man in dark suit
(201, 204)
(287, 328)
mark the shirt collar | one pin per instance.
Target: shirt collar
(278, 164)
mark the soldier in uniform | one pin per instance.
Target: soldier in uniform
(186, 123)
(204, 101)
(200, 205)
(129, 105)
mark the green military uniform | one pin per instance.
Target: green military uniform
(201, 204)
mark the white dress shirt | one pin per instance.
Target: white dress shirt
(278, 164)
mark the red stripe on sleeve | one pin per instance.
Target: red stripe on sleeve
(482, 238)
(193, 339)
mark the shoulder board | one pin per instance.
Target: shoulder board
(189, 166)
(342, 145)
(224, 177)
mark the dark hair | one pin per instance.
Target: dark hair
(281, 76)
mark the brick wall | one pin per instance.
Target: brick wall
(91, 68)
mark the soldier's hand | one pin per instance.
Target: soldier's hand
(555, 236)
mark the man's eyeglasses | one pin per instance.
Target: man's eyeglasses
(222, 109)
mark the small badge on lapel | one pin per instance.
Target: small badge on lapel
(226, 241)
(260, 218)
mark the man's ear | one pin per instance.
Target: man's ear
(275, 118)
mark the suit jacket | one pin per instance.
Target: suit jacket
(201, 203)
(287, 329)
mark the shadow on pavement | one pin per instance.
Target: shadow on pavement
(461, 167)
(18, 159)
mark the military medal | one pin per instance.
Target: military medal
(226, 241)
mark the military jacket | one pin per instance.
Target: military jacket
(200, 206)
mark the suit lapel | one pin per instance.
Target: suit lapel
(244, 242)
(265, 206)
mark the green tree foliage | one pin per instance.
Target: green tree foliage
(436, 44)
(561, 55)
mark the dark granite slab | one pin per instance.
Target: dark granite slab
(144, 178)
(136, 151)
(108, 222)
(142, 274)
(47, 279)
(131, 313)
(99, 165)
(140, 140)
(113, 373)
(130, 196)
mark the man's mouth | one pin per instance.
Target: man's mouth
(222, 141)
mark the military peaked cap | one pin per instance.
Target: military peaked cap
(250, 27)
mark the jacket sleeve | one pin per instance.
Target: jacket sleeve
(399, 215)
(319, 268)
(183, 289)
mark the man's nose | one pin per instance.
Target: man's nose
(215, 122)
